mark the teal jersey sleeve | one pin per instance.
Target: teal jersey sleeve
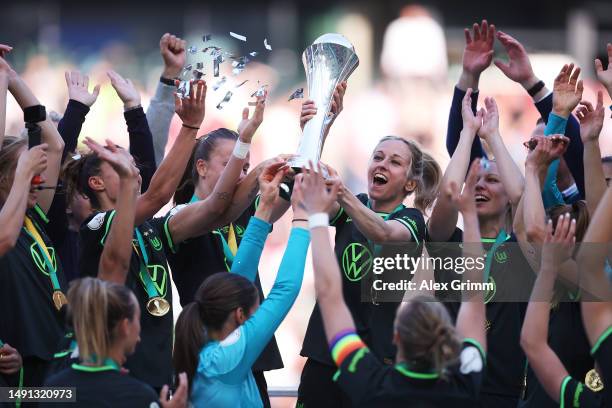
(550, 192)
(250, 249)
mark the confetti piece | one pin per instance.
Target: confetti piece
(206, 37)
(238, 36)
(219, 83)
(197, 74)
(183, 89)
(484, 164)
(297, 94)
(260, 91)
(216, 63)
(242, 83)
(253, 54)
(192, 50)
(225, 100)
(200, 65)
(268, 46)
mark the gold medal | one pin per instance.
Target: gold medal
(158, 306)
(59, 299)
(593, 381)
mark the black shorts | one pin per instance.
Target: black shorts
(318, 389)
(262, 386)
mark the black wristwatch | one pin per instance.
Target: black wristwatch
(33, 114)
(167, 81)
(536, 88)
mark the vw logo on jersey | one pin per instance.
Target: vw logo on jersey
(356, 261)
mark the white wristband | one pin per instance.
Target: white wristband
(318, 220)
(241, 149)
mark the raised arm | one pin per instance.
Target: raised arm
(261, 326)
(199, 218)
(5, 70)
(508, 170)
(31, 163)
(472, 315)
(49, 135)
(591, 121)
(161, 108)
(80, 101)
(596, 289)
(534, 336)
(141, 141)
(444, 215)
(605, 76)
(191, 110)
(477, 56)
(247, 258)
(117, 253)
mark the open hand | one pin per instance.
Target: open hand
(309, 109)
(78, 88)
(118, 158)
(125, 90)
(591, 119)
(172, 50)
(478, 51)
(605, 76)
(490, 119)
(518, 67)
(317, 197)
(471, 122)
(567, 91)
(559, 246)
(465, 201)
(192, 109)
(248, 126)
(33, 161)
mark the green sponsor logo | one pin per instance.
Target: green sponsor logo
(156, 243)
(356, 261)
(39, 259)
(239, 231)
(501, 256)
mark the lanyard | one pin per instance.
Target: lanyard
(109, 364)
(230, 246)
(144, 275)
(378, 248)
(33, 233)
(499, 240)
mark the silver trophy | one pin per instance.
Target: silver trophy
(330, 60)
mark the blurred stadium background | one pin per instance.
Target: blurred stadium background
(410, 59)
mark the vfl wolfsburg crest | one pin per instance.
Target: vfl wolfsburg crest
(356, 261)
(158, 276)
(490, 293)
(39, 259)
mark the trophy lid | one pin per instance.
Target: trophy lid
(334, 38)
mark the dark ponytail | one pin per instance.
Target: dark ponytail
(75, 175)
(215, 299)
(202, 151)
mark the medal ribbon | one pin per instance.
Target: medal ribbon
(144, 271)
(230, 246)
(499, 240)
(31, 230)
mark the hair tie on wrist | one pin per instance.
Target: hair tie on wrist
(318, 220)
(191, 127)
(536, 88)
(241, 149)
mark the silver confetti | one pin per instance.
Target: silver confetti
(192, 50)
(297, 94)
(219, 84)
(484, 164)
(216, 63)
(226, 99)
(260, 91)
(238, 36)
(213, 48)
(183, 89)
(197, 74)
(253, 54)
(242, 83)
(206, 37)
(268, 46)
(200, 65)
(238, 69)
